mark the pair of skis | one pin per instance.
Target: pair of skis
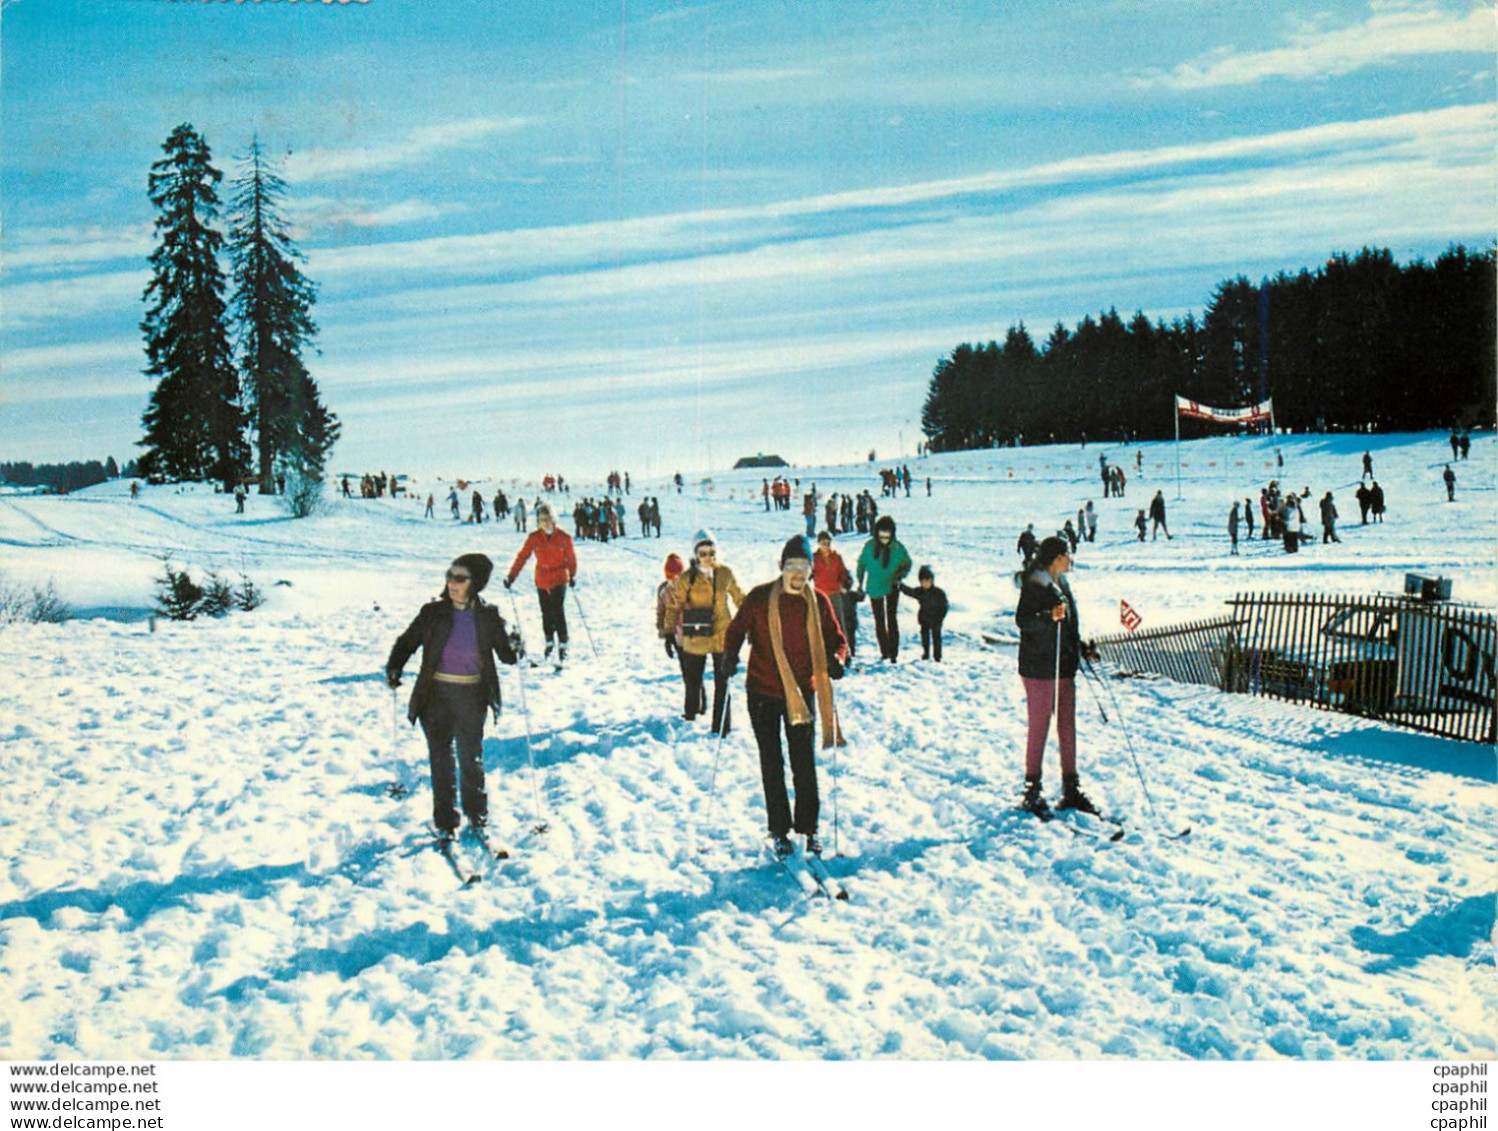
(809, 873)
(1100, 826)
(488, 856)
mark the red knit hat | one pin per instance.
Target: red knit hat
(674, 566)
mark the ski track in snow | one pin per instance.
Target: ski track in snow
(203, 861)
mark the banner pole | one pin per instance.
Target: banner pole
(1178, 447)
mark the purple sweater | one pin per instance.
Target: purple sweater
(461, 655)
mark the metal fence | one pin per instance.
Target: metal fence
(1199, 652)
(1424, 665)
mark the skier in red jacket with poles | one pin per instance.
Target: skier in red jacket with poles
(556, 571)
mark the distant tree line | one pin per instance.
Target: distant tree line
(1360, 344)
(63, 477)
(233, 400)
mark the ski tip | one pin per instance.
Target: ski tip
(502, 854)
(843, 896)
(1117, 836)
(471, 880)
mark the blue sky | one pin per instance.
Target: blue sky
(661, 235)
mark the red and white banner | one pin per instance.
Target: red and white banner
(1253, 414)
(1131, 620)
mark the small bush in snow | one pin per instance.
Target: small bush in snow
(303, 495)
(247, 595)
(178, 596)
(218, 596)
(45, 606)
(37, 605)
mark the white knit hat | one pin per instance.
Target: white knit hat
(703, 538)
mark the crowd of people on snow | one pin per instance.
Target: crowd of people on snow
(795, 634)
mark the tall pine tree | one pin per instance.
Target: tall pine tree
(272, 305)
(194, 423)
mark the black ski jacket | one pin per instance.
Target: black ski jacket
(429, 632)
(1037, 631)
(933, 603)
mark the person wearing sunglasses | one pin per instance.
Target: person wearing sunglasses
(698, 601)
(795, 650)
(459, 635)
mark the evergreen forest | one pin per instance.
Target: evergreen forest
(1359, 344)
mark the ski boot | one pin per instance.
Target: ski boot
(813, 844)
(1033, 801)
(1073, 798)
(782, 845)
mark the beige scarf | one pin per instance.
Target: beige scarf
(795, 702)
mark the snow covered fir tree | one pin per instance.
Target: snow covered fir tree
(210, 403)
(195, 422)
(272, 307)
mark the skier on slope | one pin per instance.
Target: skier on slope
(1050, 651)
(459, 635)
(556, 572)
(699, 603)
(881, 567)
(830, 576)
(673, 637)
(795, 651)
(1026, 545)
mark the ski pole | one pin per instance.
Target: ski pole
(1133, 754)
(396, 789)
(837, 735)
(583, 617)
(712, 789)
(540, 825)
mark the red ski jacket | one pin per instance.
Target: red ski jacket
(556, 564)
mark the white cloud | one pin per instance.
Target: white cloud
(1454, 135)
(1393, 32)
(323, 212)
(74, 297)
(53, 249)
(748, 75)
(417, 146)
(79, 371)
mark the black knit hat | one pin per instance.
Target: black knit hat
(1050, 549)
(795, 548)
(479, 567)
(923, 573)
(885, 522)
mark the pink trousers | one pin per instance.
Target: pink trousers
(1040, 701)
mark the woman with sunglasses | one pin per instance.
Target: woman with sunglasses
(699, 603)
(459, 635)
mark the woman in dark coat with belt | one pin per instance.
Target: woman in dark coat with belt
(459, 635)
(1050, 650)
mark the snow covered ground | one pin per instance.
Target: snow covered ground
(202, 861)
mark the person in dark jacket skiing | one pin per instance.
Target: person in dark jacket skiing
(1328, 519)
(1026, 545)
(795, 651)
(556, 572)
(933, 606)
(1157, 516)
(1449, 477)
(459, 635)
(1050, 650)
